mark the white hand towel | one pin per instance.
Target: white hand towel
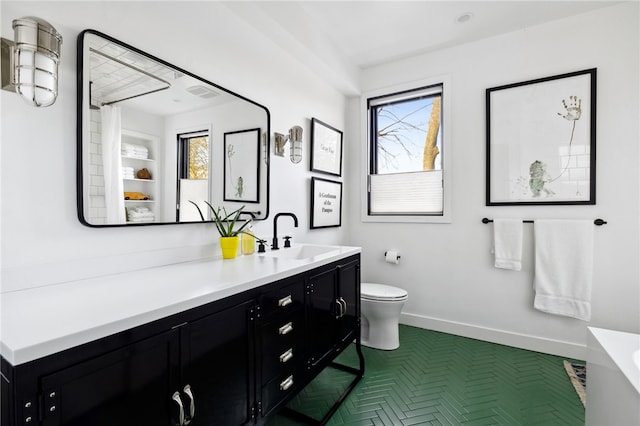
(507, 243)
(564, 267)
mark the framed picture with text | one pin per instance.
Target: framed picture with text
(326, 203)
(326, 148)
(541, 141)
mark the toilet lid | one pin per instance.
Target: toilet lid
(373, 291)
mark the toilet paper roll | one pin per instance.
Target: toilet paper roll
(392, 256)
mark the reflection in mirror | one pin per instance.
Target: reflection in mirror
(152, 137)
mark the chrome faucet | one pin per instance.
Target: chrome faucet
(274, 243)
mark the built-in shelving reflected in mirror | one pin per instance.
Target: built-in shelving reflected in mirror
(151, 138)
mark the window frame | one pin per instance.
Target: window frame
(367, 156)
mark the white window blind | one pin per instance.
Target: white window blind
(406, 193)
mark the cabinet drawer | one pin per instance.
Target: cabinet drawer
(274, 362)
(286, 299)
(282, 331)
(279, 388)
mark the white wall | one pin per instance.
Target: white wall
(447, 268)
(42, 239)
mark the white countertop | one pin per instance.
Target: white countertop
(41, 321)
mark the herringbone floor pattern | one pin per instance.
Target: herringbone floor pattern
(440, 379)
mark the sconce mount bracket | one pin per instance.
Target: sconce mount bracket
(7, 65)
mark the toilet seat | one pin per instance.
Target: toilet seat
(381, 292)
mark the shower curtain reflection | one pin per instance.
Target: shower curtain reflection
(112, 164)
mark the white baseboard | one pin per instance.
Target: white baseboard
(522, 341)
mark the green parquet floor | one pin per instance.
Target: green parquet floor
(441, 379)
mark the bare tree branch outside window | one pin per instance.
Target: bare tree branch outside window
(408, 135)
(199, 158)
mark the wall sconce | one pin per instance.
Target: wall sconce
(30, 61)
(295, 137)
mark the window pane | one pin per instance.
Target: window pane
(199, 158)
(408, 136)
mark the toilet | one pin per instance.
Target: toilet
(380, 306)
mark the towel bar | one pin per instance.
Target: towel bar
(598, 222)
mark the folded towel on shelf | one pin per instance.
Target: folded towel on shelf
(507, 243)
(140, 216)
(563, 267)
(139, 212)
(131, 146)
(128, 173)
(141, 220)
(136, 155)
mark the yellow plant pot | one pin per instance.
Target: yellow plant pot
(229, 246)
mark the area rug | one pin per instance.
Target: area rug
(578, 375)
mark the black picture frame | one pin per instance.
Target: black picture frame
(326, 203)
(242, 166)
(326, 148)
(541, 141)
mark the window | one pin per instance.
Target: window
(193, 174)
(406, 164)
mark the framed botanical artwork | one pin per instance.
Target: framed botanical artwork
(326, 203)
(541, 141)
(326, 148)
(242, 166)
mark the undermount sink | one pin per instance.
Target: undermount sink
(301, 252)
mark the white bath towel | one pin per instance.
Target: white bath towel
(564, 267)
(507, 243)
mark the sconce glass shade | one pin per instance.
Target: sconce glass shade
(295, 137)
(36, 57)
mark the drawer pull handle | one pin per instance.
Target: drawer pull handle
(286, 356)
(176, 398)
(287, 383)
(286, 329)
(285, 301)
(342, 307)
(192, 404)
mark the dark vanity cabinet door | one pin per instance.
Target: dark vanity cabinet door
(349, 297)
(321, 316)
(217, 367)
(130, 386)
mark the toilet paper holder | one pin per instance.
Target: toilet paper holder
(397, 257)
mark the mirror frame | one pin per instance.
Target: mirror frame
(80, 136)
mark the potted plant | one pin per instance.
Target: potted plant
(226, 226)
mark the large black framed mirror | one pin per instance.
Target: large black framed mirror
(151, 138)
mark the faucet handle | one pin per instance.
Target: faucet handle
(287, 243)
(261, 246)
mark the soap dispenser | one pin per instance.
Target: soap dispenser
(247, 241)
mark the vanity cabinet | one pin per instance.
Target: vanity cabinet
(202, 366)
(235, 361)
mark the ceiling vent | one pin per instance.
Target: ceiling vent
(202, 91)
